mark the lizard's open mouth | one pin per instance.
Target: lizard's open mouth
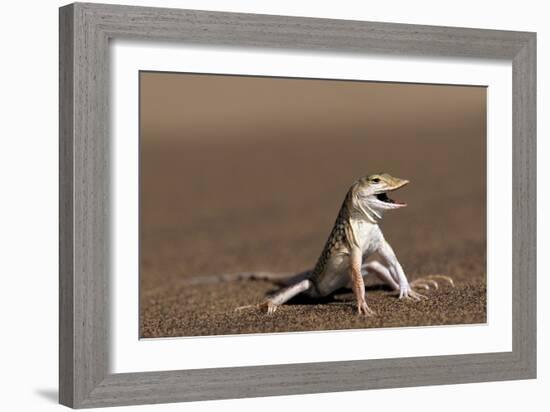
(383, 197)
(380, 198)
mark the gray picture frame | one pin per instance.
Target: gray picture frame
(85, 32)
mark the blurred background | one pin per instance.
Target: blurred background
(248, 173)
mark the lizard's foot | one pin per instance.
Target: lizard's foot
(363, 309)
(267, 306)
(428, 282)
(406, 292)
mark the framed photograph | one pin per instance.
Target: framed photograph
(257, 205)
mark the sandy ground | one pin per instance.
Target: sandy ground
(239, 203)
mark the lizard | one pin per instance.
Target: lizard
(354, 238)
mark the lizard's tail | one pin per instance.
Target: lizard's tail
(282, 279)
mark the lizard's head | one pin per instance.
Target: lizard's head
(371, 192)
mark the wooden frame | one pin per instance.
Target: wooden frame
(85, 31)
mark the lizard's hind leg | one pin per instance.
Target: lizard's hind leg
(271, 304)
(284, 295)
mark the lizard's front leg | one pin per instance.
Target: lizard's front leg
(357, 282)
(397, 273)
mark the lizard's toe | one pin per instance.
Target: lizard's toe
(269, 307)
(431, 281)
(238, 309)
(363, 309)
(417, 296)
(424, 284)
(409, 294)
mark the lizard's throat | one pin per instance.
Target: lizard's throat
(368, 213)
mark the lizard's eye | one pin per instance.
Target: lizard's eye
(376, 180)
